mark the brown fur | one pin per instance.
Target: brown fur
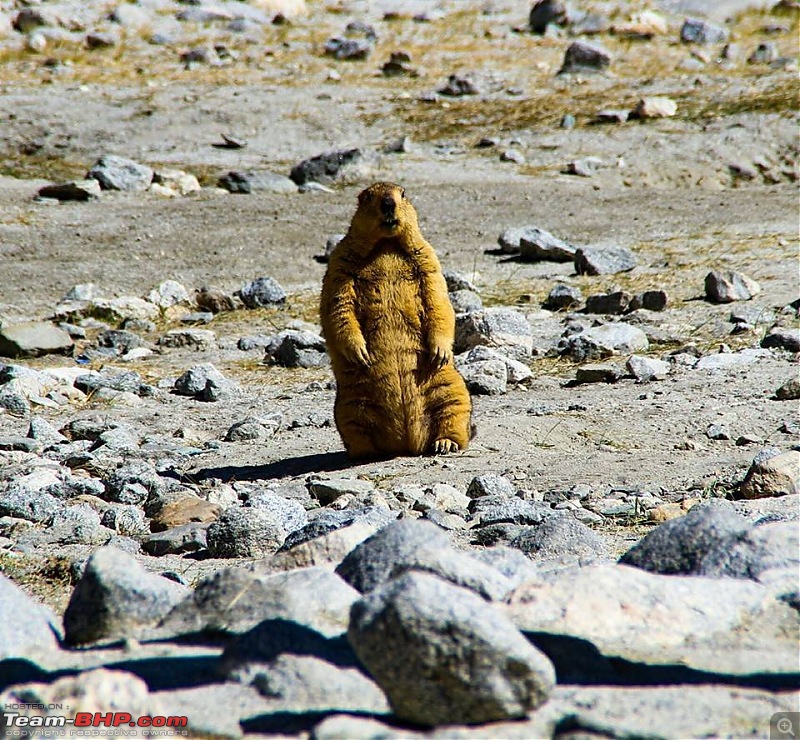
(389, 327)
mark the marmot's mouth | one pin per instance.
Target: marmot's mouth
(390, 223)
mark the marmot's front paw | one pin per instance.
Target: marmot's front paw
(443, 446)
(357, 353)
(440, 352)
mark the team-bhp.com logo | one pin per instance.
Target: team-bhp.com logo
(92, 724)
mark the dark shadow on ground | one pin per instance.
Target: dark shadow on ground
(318, 463)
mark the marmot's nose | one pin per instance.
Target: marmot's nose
(387, 205)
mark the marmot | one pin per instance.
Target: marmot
(389, 327)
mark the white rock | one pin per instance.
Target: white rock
(655, 107)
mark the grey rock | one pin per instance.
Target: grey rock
(31, 505)
(615, 303)
(256, 341)
(545, 12)
(599, 342)
(717, 432)
(585, 166)
(512, 155)
(726, 286)
(130, 16)
(197, 317)
(725, 630)
(443, 655)
(464, 301)
(303, 683)
(264, 291)
(611, 115)
(583, 57)
(79, 190)
(538, 244)
(119, 173)
(25, 625)
(371, 563)
(603, 260)
(561, 536)
(765, 53)
(76, 525)
(327, 491)
(256, 181)
(510, 240)
(699, 31)
(460, 569)
(330, 549)
(115, 598)
(512, 563)
(789, 391)
(777, 509)
(782, 338)
(329, 520)
(20, 444)
(498, 509)
(599, 372)
(120, 340)
(29, 19)
(235, 600)
(324, 168)
(486, 377)
(125, 519)
(33, 339)
(458, 86)
(129, 382)
(754, 553)
(212, 300)
(753, 315)
(177, 540)
(14, 403)
(730, 360)
(43, 431)
(562, 297)
(647, 368)
(490, 484)
(197, 379)
(291, 514)
(775, 475)
(516, 371)
(199, 340)
(650, 300)
(292, 348)
(456, 281)
(344, 48)
(101, 40)
(503, 328)
(254, 428)
(679, 545)
(133, 483)
(245, 533)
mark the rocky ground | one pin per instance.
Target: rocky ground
(612, 190)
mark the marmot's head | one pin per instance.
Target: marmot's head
(384, 211)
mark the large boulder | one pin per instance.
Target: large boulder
(443, 655)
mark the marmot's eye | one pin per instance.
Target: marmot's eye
(403, 194)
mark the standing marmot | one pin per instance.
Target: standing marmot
(389, 327)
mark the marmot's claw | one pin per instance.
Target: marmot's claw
(358, 355)
(443, 446)
(440, 356)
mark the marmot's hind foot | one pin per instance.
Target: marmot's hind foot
(444, 446)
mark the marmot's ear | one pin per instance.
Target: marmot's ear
(365, 196)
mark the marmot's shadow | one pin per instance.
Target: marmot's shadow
(291, 466)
